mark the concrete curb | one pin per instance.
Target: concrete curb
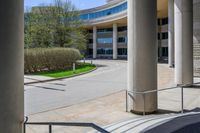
(55, 79)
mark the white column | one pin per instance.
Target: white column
(160, 45)
(160, 51)
(94, 42)
(171, 33)
(142, 54)
(114, 41)
(11, 66)
(183, 41)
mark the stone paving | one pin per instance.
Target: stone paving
(109, 78)
(35, 78)
(197, 68)
(196, 59)
(111, 108)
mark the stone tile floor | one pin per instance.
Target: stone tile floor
(110, 109)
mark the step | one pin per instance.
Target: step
(139, 124)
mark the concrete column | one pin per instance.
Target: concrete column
(11, 66)
(115, 41)
(142, 54)
(160, 51)
(160, 40)
(184, 41)
(160, 44)
(94, 42)
(171, 33)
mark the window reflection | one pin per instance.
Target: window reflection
(103, 13)
(104, 51)
(122, 51)
(122, 40)
(106, 30)
(104, 40)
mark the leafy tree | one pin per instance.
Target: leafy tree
(56, 25)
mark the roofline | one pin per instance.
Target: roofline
(103, 7)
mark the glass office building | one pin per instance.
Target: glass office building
(110, 22)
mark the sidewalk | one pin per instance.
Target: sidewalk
(101, 111)
(110, 109)
(35, 78)
(107, 110)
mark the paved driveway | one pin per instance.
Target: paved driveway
(110, 77)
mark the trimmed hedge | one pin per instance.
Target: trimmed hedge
(49, 59)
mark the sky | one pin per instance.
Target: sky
(80, 4)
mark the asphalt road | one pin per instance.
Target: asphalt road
(110, 77)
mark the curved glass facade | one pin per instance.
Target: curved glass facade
(104, 13)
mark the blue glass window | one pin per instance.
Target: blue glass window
(164, 35)
(122, 29)
(122, 40)
(104, 51)
(103, 13)
(122, 51)
(84, 17)
(104, 40)
(106, 30)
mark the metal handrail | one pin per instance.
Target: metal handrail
(51, 124)
(143, 93)
(151, 91)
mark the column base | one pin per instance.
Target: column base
(142, 113)
(186, 86)
(172, 66)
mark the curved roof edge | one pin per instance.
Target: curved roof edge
(109, 0)
(106, 6)
(107, 19)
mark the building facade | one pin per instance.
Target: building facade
(141, 28)
(110, 24)
(107, 29)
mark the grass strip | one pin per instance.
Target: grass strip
(83, 68)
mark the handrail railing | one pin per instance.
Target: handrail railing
(72, 124)
(143, 93)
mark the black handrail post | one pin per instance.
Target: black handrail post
(143, 95)
(24, 127)
(50, 128)
(182, 102)
(126, 100)
(26, 120)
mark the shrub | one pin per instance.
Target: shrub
(49, 59)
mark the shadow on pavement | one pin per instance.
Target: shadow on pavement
(184, 124)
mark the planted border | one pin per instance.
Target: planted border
(49, 59)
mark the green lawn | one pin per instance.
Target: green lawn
(68, 73)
